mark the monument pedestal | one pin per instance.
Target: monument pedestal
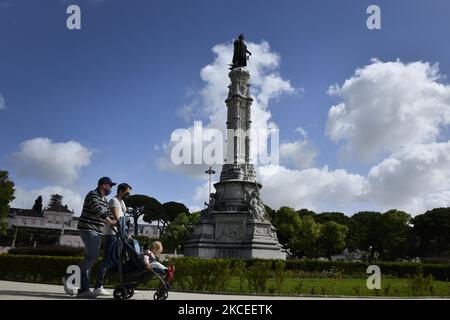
(236, 225)
(232, 235)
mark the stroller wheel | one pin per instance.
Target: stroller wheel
(130, 293)
(120, 293)
(160, 295)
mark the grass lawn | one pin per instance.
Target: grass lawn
(390, 286)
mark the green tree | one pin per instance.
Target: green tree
(333, 237)
(355, 236)
(282, 219)
(38, 205)
(337, 217)
(6, 197)
(56, 203)
(173, 209)
(386, 233)
(306, 213)
(179, 230)
(153, 210)
(371, 232)
(308, 237)
(431, 233)
(135, 213)
(297, 232)
(396, 227)
(356, 231)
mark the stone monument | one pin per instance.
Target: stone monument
(235, 223)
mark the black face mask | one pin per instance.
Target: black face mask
(107, 192)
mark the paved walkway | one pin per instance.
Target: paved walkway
(10, 290)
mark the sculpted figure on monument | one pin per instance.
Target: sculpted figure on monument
(240, 53)
(212, 200)
(206, 213)
(256, 206)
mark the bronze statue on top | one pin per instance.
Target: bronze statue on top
(240, 53)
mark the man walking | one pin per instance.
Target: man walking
(118, 209)
(91, 224)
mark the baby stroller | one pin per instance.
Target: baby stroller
(130, 266)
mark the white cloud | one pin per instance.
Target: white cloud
(302, 132)
(387, 106)
(195, 208)
(266, 84)
(300, 154)
(25, 198)
(192, 170)
(2, 103)
(190, 112)
(313, 188)
(414, 179)
(202, 193)
(57, 162)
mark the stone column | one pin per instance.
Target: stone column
(238, 120)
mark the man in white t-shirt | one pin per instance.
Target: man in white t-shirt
(118, 209)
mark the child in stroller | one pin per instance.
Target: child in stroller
(135, 267)
(151, 263)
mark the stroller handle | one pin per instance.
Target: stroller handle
(120, 229)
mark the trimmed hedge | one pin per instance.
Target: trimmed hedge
(28, 268)
(398, 269)
(201, 274)
(41, 269)
(61, 251)
(214, 274)
(347, 267)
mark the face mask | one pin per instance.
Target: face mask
(107, 192)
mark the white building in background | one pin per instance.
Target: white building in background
(24, 217)
(146, 230)
(346, 255)
(58, 218)
(63, 221)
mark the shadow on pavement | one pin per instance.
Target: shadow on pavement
(35, 294)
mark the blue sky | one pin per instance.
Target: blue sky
(115, 86)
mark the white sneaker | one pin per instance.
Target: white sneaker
(101, 292)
